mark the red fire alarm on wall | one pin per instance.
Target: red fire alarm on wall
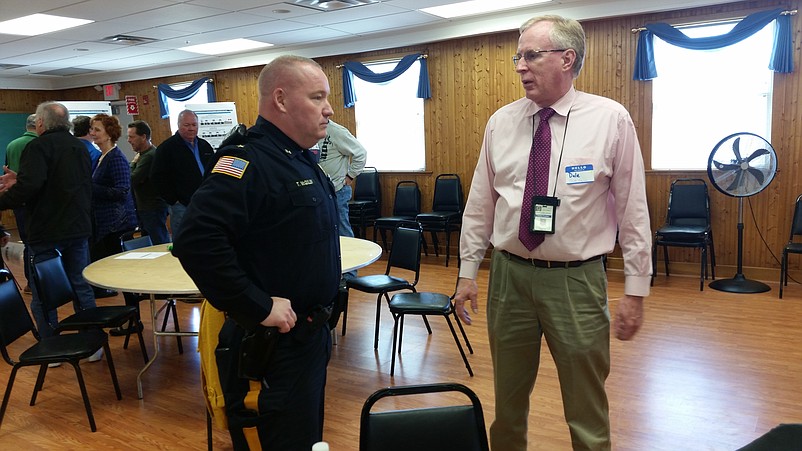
(131, 105)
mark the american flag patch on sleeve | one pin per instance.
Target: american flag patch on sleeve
(232, 166)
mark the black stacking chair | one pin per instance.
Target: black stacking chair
(406, 209)
(54, 289)
(425, 304)
(445, 427)
(687, 225)
(16, 322)
(404, 255)
(366, 205)
(793, 247)
(446, 214)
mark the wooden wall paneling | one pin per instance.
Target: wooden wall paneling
(472, 77)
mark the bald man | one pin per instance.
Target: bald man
(260, 240)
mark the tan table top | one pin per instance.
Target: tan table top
(154, 269)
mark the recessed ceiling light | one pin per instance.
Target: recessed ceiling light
(36, 24)
(473, 7)
(230, 46)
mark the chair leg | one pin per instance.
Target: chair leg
(654, 263)
(8, 393)
(176, 327)
(378, 319)
(459, 345)
(167, 311)
(142, 345)
(40, 382)
(396, 332)
(462, 329)
(712, 258)
(426, 322)
(435, 243)
(703, 269)
(84, 395)
(665, 257)
(400, 334)
(112, 371)
(448, 244)
(133, 322)
(783, 272)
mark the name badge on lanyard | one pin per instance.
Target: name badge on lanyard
(544, 210)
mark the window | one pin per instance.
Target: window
(175, 107)
(389, 120)
(700, 97)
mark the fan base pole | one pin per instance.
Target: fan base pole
(739, 284)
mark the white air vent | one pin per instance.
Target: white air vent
(331, 5)
(124, 39)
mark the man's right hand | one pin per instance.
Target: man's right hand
(466, 291)
(281, 316)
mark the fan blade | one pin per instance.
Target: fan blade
(757, 153)
(725, 166)
(736, 149)
(737, 182)
(757, 174)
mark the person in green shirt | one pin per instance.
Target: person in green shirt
(13, 154)
(15, 147)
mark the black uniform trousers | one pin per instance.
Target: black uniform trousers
(292, 396)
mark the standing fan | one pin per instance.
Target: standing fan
(741, 165)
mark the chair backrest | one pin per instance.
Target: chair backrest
(447, 193)
(15, 321)
(405, 251)
(136, 243)
(688, 203)
(367, 186)
(52, 284)
(459, 427)
(796, 223)
(407, 199)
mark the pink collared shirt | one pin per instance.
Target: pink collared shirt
(596, 172)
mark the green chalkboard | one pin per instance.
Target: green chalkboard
(12, 126)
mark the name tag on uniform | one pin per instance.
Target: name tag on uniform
(578, 174)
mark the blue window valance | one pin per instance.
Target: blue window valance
(182, 95)
(351, 68)
(782, 52)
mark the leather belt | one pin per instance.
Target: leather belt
(550, 263)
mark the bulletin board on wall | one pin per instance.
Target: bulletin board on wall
(12, 126)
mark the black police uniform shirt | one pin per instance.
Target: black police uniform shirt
(263, 223)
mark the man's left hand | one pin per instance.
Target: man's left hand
(348, 180)
(8, 179)
(628, 317)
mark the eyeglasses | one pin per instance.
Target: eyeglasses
(530, 56)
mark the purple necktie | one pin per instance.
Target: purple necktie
(537, 178)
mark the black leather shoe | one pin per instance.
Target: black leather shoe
(122, 331)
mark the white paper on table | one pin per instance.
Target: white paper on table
(140, 255)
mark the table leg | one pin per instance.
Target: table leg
(153, 317)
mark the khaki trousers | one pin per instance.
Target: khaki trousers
(567, 306)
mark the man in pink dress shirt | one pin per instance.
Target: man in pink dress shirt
(557, 290)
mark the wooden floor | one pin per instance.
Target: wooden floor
(709, 371)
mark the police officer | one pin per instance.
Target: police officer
(260, 240)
